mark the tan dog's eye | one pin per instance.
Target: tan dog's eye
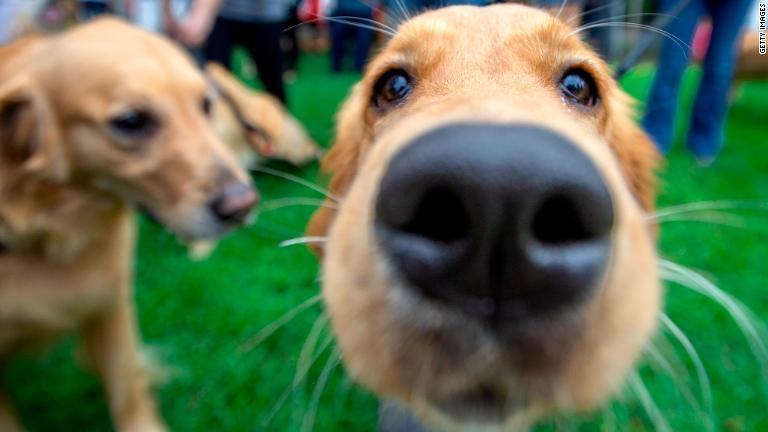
(206, 106)
(134, 124)
(579, 87)
(391, 89)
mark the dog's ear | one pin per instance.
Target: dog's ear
(341, 162)
(635, 151)
(29, 136)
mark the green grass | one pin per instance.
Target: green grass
(198, 314)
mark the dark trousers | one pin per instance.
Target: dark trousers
(290, 39)
(342, 33)
(90, 10)
(261, 39)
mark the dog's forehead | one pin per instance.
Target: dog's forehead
(497, 39)
(116, 53)
(475, 25)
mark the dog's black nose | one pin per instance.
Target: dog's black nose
(505, 222)
(234, 202)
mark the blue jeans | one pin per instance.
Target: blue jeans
(341, 33)
(92, 9)
(418, 6)
(705, 135)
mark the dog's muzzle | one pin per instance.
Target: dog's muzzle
(503, 222)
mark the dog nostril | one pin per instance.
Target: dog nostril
(440, 216)
(235, 203)
(558, 221)
(477, 217)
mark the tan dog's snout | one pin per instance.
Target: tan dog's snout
(507, 223)
(234, 202)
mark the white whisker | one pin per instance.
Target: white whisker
(302, 240)
(654, 414)
(297, 180)
(591, 11)
(632, 15)
(277, 324)
(701, 372)
(369, 21)
(384, 30)
(708, 206)
(684, 47)
(297, 379)
(562, 8)
(748, 324)
(309, 418)
(280, 203)
(404, 15)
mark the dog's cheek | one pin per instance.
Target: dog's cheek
(624, 318)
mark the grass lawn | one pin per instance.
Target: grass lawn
(199, 316)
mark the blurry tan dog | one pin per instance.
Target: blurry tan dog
(488, 260)
(751, 64)
(256, 125)
(94, 122)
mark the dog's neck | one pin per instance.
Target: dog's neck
(52, 219)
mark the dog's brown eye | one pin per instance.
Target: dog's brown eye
(579, 87)
(134, 124)
(391, 89)
(206, 106)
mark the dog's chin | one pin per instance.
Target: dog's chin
(191, 226)
(506, 372)
(482, 408)
(482, 403)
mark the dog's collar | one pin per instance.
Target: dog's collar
(230, 101)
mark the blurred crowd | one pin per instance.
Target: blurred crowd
(273, 32)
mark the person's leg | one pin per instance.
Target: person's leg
(338, 42)
(263, 43)
(661, 108)
(220, 43)
(91, 10)
(363, 39)
(290, 39)
(711, 107)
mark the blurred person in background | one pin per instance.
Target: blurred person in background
(418, 6)
(290, 40)
(10, 12)
(219, 25)
(353, 11)
(705, 136)
(90, 9)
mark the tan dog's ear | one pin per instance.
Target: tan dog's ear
(341, 161)
(636, 152)
(28, 133)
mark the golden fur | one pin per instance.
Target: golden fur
(280, 135)
(68, 182)
(751, 64)
(498, 64)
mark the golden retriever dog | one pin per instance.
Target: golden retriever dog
(751, 64)
(95, 122)
(256, 125)
(487, 260)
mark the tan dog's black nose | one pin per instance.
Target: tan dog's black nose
(505, 222)
(234, 203)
